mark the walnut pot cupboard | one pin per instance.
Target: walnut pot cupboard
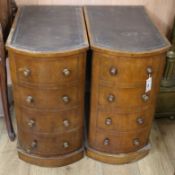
(47, 49)
(128, 56)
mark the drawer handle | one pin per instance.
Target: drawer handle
(108, 121)
(145, 97)
(66, 123)
(66, 72)
(111, 98)
(140, 120)
(26, 72)
(136, 142)
(33, 146)
(66, 99)
(31, 123)
(149, 70)
(106, 141)
(65, 144)
(113, 71)
(29, 99)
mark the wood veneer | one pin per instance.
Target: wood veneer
(47, 62)
(127, 49)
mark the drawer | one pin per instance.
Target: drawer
(50, 144)
(123, 70)
(59, 99)
(125, 98)
(122, 122)
(121, 142)
(37, 121)
(48, 71)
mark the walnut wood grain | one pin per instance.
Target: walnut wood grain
(49, 145)
(48, 79)
(37, 121)
(124, 121)
(121, 64)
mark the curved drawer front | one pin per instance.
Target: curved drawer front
(37, 121)
(48, 71)
(50, 144)
(124, 121)
(128, 71)
(125, 97)
(120, 142)
(62, 98)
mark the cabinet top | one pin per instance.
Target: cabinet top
(123, 29)
(44, 29)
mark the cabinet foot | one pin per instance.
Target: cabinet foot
(57, 161)
(118, 158)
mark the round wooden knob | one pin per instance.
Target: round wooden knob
(113, 71)
(149, 70)
(136, 142)
(29, 99)
(31, 123)
(106, 141)
(26, 72)
(66, 123)
(65, 99)
(108, 121)
(111, 98)
(140, 120)
(33, 145)
(29, 150)
(145, 97)
(66, 72)
(66, 144)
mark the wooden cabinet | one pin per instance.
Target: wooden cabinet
(117, 142)
(128, 56)
(124, 122)
(47, 48)
(50, 144)
(50, 72)
(49, 121)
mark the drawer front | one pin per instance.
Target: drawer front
(120, 142)
(123, 122)
(50, 144)
(37, 121)
(123, 70)
(125, 97)
(49, 72)
(62, 98)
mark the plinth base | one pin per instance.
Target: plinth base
(51, 161)
(118, 158)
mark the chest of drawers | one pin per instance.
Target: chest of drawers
(47, 48)
(128, 50)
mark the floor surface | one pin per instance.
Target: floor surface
(160, 161)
